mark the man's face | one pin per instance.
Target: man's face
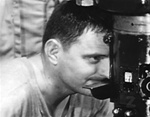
(86, 63)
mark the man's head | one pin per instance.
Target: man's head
(68, 21)
(74, 46)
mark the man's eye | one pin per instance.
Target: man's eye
(94, 59)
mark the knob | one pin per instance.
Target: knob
(117, 111)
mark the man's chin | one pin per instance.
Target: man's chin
(86, 92)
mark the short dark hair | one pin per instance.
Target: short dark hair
(68, 21)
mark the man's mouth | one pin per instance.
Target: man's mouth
(94, 85)
(91, 84)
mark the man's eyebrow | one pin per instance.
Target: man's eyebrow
(96, 54)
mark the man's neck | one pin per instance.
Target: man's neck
(50, 88)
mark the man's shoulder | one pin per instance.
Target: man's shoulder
(17, 100)
(17, 93)
(13, 75)
(13, 67)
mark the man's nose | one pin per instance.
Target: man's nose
(104, 68)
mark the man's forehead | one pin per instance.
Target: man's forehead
(91, 37)
(91, 43)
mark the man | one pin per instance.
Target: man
(74, 58)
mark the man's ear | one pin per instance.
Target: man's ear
(52, 48)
